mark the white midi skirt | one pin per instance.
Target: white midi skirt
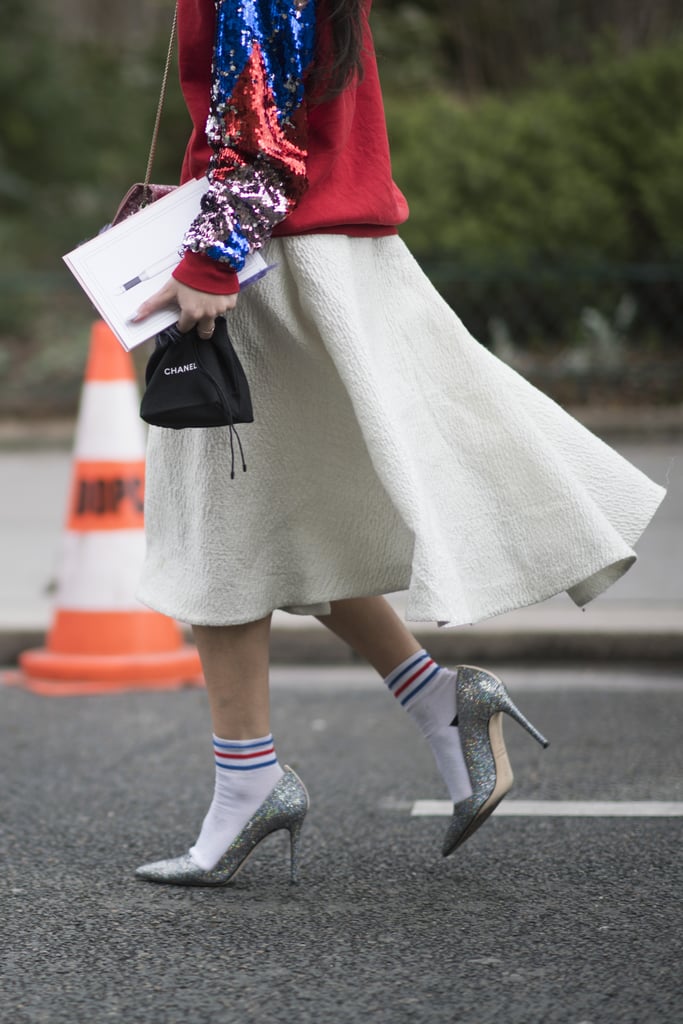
(389, 451)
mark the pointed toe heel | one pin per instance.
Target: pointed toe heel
(285, 807)
(481, 701)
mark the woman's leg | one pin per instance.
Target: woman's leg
(371, 627)
(427, 692)
(235, 663)
(250, 787)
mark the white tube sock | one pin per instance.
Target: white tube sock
(246, 772)
(428, 694)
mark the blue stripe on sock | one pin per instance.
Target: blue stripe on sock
(243, 746)
(407, 700)
(245, 767)
(408, 668)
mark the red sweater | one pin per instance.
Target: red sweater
(348, 168)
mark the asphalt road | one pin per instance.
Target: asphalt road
(549, 919)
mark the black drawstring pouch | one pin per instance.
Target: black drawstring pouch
(196, 382)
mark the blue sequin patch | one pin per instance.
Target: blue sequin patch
(286, 34)
(257, 172)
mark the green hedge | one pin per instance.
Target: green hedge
(586, 168)
(76, 123)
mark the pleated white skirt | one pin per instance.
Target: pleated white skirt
(390, 451)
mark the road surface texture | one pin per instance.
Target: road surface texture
(535, 920)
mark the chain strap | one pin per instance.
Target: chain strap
(160, 105)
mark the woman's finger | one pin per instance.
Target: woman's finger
(166, 296)
(206, 327)
(196, 308)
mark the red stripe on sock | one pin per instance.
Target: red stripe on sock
(412, 679)
(241, 757)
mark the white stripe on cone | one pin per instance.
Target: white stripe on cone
(100, 570)
(109, 425)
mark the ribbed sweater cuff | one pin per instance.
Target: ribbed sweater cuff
(198, 271)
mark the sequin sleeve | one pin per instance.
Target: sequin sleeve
(256, 125)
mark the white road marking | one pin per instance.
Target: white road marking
(561, 809)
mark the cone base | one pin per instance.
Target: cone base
(85, 688)
(47, 673)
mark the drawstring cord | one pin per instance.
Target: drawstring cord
(233, 431)
(230, 424)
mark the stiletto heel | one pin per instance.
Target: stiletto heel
(285, 807)
(294, 835)
(513, 711)
(482, 700)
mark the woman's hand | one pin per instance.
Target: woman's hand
(196, 308)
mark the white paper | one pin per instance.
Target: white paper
(128, 263)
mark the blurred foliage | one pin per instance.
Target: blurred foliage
(76, 115)
(497, 45)
(531, 209)
(76, 118)
(586, 169)
(524, 134)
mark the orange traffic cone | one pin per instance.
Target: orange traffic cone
(102, 639)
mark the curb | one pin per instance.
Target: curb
(316, 646)
(629, 423)
(312, 646)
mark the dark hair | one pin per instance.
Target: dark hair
(340, 22)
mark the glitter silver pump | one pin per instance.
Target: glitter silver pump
(481, 700)
(285, 807)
